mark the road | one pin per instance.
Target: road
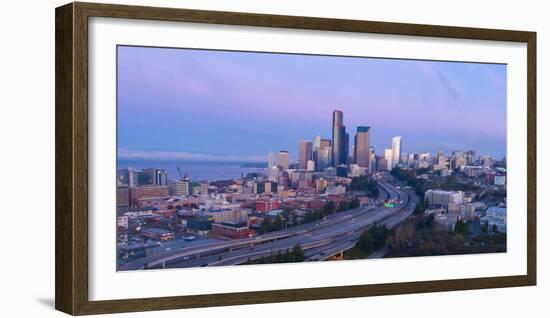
(319, 240)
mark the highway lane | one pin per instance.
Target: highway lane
(406, 209)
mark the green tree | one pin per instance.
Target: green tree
(461, 227)
(329, 208)
(343, 206)
(366, 242)
(287, 256)
(419, 208)
(379, 234)
(298, 253)
(485, 227)
(355, 203)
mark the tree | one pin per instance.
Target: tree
(461, 227)
(495, 228)
(355, 203)
(278, 223)
(485, 227)
(343, 206)
(279, 257)
(265, 226)
(329, 207)
(379, 235)
(287, 256)
(298, 253)
(366, 242)
(419, 208)
(364, 184)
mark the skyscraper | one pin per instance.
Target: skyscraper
(388, 154)
(396, 150)
(283, 159)
(361, 150)
(270, 160)
(345, 157)
(338, 138)
(323, 156)
(304, 153)
(161, 177)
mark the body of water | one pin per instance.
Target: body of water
(197, 171)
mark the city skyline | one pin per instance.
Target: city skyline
(189, 83)
(360, 158)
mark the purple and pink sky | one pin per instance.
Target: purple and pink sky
(203, 105)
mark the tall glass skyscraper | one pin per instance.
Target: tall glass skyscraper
(339, 155)
(396, 150)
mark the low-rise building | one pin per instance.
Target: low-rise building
(158, 234)
(442, 198)
(178, 187)
(495, 216)
(267, 205)
(145, 192)
(228, 216)
(231, 231)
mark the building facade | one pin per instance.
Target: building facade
(361, 150)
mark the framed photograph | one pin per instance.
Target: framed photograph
(211, 158)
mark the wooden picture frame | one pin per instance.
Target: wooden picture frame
(71, 90)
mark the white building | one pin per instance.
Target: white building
(500, 180)
(388, 154)
(357, 170)
(178, 188)
(444, 198)
(310, 165)
(495, 216)
(396, 150)
(228, 216)
(339, 189)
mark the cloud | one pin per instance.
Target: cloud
(443, 80)
(128, 154)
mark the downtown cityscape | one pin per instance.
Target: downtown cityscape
(342, 194)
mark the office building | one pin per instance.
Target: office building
(267, 205)
(270, 160)
(123, 196)
(495, 216)
(396, 150)
(323, 156)
(310, 165)
(339, 155)
(228, 215)
(388, 156)
(147, 192)
(178, 188)
(361, 150)
(304, 154)
(442, 198)
(283, 160)
(232, 231)
(161, 177)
